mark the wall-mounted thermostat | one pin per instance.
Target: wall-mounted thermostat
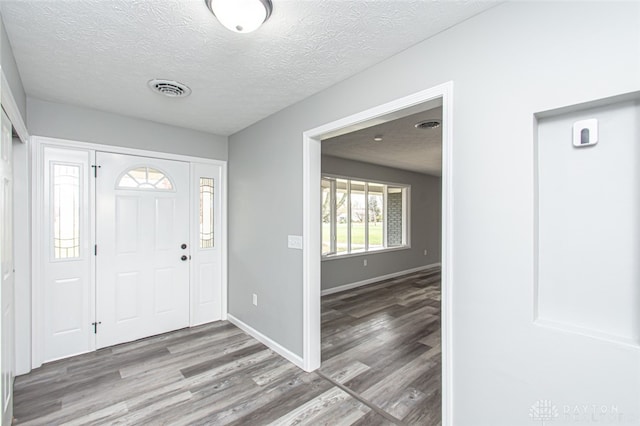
(585, 132)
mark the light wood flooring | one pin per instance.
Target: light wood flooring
(381, 366)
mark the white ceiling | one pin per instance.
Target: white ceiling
(403, 146)
(101, 53)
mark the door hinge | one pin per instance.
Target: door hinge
(95, 326)
(95, 250)
(95, 170)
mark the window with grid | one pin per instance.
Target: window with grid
(360, 216)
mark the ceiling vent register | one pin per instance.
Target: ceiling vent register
(428, 124)
(169, 88)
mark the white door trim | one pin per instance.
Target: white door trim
(66, 143)
(311, 230)
(10, 106)
(37, 142)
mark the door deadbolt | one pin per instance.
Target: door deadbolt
(183, 246)
(184, 258)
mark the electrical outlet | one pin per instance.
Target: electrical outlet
(255, 299)
(365, 262)
(425, 252)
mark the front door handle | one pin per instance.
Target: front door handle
(184, 258)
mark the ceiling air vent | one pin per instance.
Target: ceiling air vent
(169, 88)
(428, 124)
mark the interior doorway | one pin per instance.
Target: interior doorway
(312, 217)
(381, 245)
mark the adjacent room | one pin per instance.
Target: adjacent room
(381, 248)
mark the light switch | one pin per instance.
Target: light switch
(585, 132)
(294, 242)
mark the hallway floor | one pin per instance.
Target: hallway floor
(381, 343)
(382, 366)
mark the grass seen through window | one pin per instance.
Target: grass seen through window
(357, 234)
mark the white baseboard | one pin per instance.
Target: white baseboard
(274, 346)
(350, 286)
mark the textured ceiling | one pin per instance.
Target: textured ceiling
(101, 53)
(403, 146)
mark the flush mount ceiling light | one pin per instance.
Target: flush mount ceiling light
(377, 138)
(428, 124)
(241, 16)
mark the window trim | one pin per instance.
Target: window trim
(406, 225)
(345, 255)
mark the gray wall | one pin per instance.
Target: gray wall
(10, 70)
(506, 64)
(424, 223)
(90, 125)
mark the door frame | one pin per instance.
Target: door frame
(7, 281)
(37, 145)
(312, 238)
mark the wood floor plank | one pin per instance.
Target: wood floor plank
(236, 356)
(349, 371)
(98, 416)
(308, 413)
(273, 374)
(275, 400)
(404, 402)
(373, 419)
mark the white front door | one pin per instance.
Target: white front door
(142, 235)
(6, 270)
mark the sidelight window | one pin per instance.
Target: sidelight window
(66, 211)
(206, 212)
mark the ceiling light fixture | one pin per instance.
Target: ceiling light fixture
(241, 16)
(377, 138)
(428, 124)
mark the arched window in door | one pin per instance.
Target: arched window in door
(145, 178)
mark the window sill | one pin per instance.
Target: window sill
(328, 257)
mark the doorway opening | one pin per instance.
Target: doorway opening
(439, 96)
(380, 269)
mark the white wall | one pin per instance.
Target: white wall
(424, 220)
(10, 70)
(588, 222)
(89, 125)
(22, 254)
(506, 64)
